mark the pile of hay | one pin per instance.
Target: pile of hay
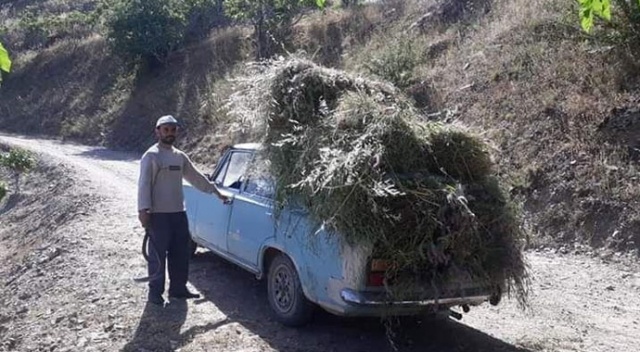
(359, 156)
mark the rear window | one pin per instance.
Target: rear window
(259, 179)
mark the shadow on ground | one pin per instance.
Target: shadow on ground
(11, 201)
(242, 299)
(159, 328)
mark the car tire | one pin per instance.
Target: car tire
(285, 295)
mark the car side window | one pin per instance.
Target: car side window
(231, 174)
(263, 187)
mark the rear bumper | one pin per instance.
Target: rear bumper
(376, 302)
(376, 299)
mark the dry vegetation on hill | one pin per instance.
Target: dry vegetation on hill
(560, 108)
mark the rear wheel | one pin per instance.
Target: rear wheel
(286, 298)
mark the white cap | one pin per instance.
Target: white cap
(167, 119)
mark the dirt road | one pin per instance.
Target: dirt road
(70, 247)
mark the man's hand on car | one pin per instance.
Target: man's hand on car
(224, 199)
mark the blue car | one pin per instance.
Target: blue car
(305, 267)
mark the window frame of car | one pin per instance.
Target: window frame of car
(223, 169)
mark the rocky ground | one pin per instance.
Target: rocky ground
(70, 246)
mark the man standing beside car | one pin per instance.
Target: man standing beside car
(161, 210)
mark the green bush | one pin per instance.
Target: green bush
(18, 160)
(622, 19)
(40, 30)
(395, 61)
(204, 15)
(272, 20)
(148, 29)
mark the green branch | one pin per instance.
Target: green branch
(5, 61)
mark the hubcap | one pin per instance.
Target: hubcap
(283, 289)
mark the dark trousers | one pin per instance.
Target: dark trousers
(169, 242)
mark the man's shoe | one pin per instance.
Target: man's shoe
(156, 300)
(184, 295)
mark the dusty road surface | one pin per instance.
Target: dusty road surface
(70, 245)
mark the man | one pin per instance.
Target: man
(161, 210)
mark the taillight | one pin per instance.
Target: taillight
(377, 272)
(375, 279)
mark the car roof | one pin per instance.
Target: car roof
(248, 146)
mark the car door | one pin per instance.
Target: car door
(252, 221)
(213, 216)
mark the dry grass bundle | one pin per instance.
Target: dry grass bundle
(357, 154)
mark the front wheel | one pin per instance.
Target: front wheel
(286, 298)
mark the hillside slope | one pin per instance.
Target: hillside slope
(561, 111)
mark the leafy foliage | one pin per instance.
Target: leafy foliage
(3, 190)
(271, 19)
(148, 29)
(592, 8)
(203, 15)
(269, 10)
(396, 61)
(18, 160)
(41, 29)
(622, 18)
(5, 61)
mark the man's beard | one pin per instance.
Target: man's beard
(168, 140)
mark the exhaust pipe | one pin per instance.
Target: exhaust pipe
(455, 315)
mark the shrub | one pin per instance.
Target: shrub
(271, 19)
(623, 22)
(204, 15)
(19, 161)
(41, 30)
(148, 29)
(395, 62)
(3, 190)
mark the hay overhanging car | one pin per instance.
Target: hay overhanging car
(306, 265)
